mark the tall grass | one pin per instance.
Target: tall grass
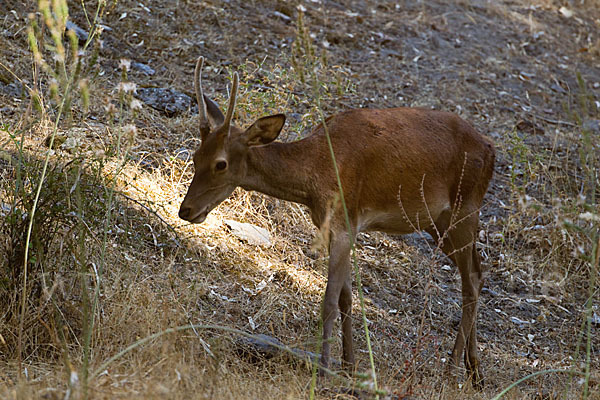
(565, 202)
(59, 210)
(311, 67)
(59, 199)
(64, 74)
(587, 227)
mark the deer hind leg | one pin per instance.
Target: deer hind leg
(458, 243)
(338, 295)
(471, 359)
(345, 304)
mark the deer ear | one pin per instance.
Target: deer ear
(215, 116)
(264, 130)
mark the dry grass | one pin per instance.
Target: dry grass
(161, 273)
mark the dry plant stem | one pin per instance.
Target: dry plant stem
(526, 378)
(93, 23)
(155, 213)
(91, 318)
(30, 228)
(588, 314)
(193, 327)
(317, 94)
(69, 80)
(108, 216)
(575, 356)
(315, 365)
(68, 86)
(353, 249)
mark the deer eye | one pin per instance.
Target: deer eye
(221, 165)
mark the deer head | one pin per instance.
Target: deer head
(220, 161)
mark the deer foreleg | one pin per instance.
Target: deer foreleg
(338, 296)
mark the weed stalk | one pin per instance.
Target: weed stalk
(304, 48)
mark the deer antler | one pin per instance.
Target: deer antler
(232, 99)
(204, 123)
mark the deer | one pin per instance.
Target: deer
(401, 170)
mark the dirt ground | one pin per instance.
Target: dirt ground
(509, 67)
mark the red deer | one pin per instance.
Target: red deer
(402, 170)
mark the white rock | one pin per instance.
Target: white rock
(250, 233)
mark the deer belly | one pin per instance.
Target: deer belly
(392, 221)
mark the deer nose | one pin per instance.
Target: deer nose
(184, 212)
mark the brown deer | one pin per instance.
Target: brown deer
(402, 170)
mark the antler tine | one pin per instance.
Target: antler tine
(232, 98)
(204, 123)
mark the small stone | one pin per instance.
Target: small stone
(81, 33)
(168, 101)
(249, 233)
(260, 344)
(592, 125)
(282, 17)
(144, 68)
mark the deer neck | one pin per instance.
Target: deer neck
(280, 170)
